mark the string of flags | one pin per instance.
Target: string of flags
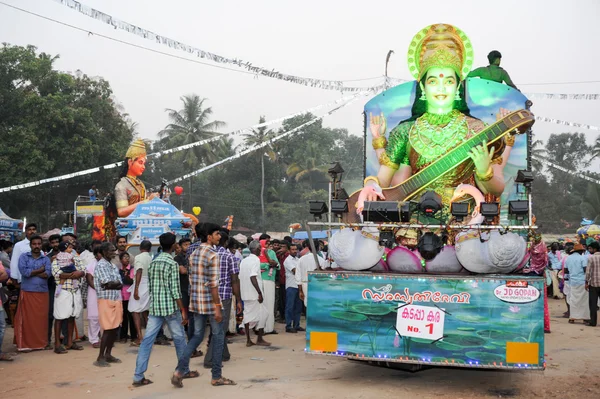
(565, 123)
(262, 145)
(546, 161)
(180, 148)
(116, 23)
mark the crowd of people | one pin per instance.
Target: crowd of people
(156, 296)
(572, 273)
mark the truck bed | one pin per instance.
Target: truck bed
(473, 321)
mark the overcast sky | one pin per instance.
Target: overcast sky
(541, 42)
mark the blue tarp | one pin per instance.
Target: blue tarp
(320, 234)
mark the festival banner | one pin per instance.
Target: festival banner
(337, 85)
(484, 321)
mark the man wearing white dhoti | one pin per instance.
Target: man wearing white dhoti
(578, 297)
(255, 311)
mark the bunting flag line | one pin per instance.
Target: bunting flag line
(557, 96)
(182, 147)
(579, 174)
(565, 123)
(337, 85)
(261, 145)
(257, 71)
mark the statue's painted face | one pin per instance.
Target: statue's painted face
(136, 166)
(440, 87)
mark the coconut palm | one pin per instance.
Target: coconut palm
(189, 125)
(311, 163)
(538, 152)
(260, 136)
(596, 148)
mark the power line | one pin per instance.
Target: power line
(89, 32)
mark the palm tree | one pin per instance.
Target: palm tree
(596, 148)
(189, 125)
(312, 162)
(538, 152)
(260, 136)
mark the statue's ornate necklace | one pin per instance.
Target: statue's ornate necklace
(432, 135)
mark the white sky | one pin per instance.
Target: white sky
(541, 41)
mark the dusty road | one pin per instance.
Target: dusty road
(284, 371)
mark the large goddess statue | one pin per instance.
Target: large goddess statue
(130, 190)
(439, 57)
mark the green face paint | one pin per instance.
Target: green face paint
(440, 87)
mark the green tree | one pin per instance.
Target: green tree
(538, 152)
(257, 137)
(189, 125)
(54, 123)
(590, 203)
(596, 148)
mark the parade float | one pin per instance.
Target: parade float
(434, 246)
(131, 210)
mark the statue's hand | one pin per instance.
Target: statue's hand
(371, 192)
(482, 158)
(153, 195)
(377, 124)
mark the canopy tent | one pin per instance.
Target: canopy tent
(9, 227)
(47, 234)
(319, 234)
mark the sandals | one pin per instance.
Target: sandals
(177, 381)
(571, 321)
(191, 374)
(5, 358)
(142, 382)
(133, 343)
(75, 347)
(222, 381)
(101, 363)
(59, 350)
(197, 353)
(112, 359)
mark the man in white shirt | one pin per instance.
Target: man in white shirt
(307, 264)
(20, 248)
(255, 311)
(293, 304)
(139, 302)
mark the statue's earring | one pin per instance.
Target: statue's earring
(422, 98)
(457, 95)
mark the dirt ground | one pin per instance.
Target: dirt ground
(285, 371)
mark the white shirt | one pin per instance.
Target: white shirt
(306, 264)
(20, 248)
(142, 261)
(290, 265)
(87, 258)
(249, 267)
